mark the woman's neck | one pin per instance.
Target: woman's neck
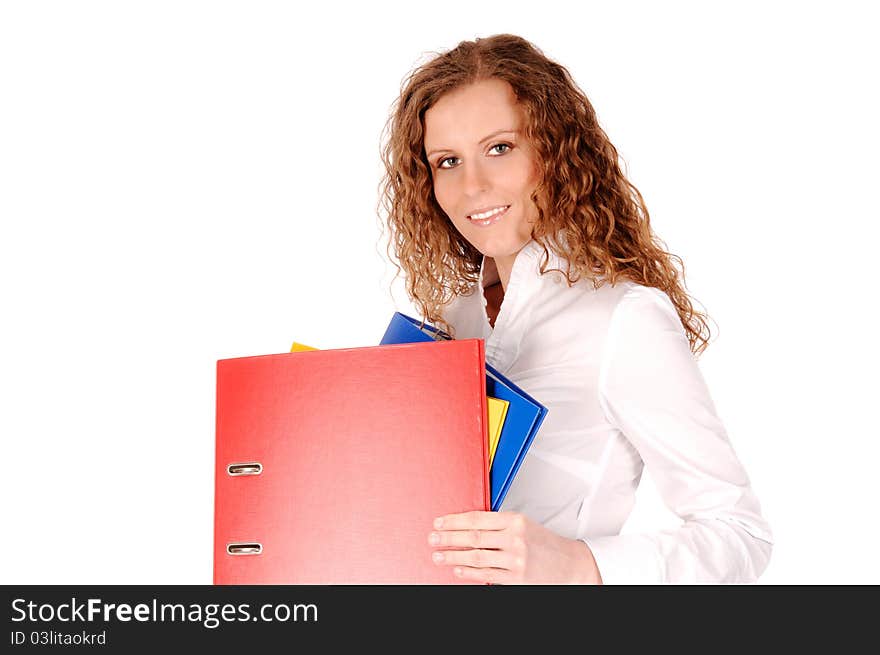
(497, 270)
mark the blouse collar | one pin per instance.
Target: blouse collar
(531, 253)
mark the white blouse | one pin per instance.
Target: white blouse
(623, 390)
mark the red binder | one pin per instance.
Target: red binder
(332, 464)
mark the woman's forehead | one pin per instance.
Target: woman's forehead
(472, 112)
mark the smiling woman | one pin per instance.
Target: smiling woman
(497, 175)
(482, 181)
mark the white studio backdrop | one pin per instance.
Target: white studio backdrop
(182, 182)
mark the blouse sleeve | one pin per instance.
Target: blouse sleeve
(651, 389)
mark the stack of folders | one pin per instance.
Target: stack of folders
(331, 465)
(519, 424)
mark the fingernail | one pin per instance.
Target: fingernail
(434, 538)
(437, 557)
(438, 523)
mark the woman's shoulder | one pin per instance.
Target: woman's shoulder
(609, 298)
(602, 292)
(638, 299)
(643, 315)
(623, 310)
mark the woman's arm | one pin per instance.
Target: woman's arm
(651, 388)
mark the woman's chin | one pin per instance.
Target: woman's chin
(500, 250)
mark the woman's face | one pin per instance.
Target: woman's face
(483, 168)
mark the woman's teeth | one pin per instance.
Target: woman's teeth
(488, 217)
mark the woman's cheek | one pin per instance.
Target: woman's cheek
(441, 193)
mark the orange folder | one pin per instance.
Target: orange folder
(332, 464)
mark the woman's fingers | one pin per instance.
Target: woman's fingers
(480, 558)
(471, 538)
(473, 521)
(492, 545)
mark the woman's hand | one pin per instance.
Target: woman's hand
(509, 548)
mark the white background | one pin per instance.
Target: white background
(182, 182)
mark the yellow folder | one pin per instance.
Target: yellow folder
(497, 412)
(497, 409)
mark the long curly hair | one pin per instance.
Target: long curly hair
(582, 195)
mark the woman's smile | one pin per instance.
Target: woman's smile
(486, 218)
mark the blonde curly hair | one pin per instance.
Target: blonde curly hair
(582, 198)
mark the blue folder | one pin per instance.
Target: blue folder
(524, 415)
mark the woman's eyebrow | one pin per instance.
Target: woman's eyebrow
(483, 140)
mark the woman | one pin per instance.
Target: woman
(513, 222)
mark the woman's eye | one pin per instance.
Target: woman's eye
(450, 162)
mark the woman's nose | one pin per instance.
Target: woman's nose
(476, 179)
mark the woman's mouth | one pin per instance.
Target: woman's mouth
(488, 217)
